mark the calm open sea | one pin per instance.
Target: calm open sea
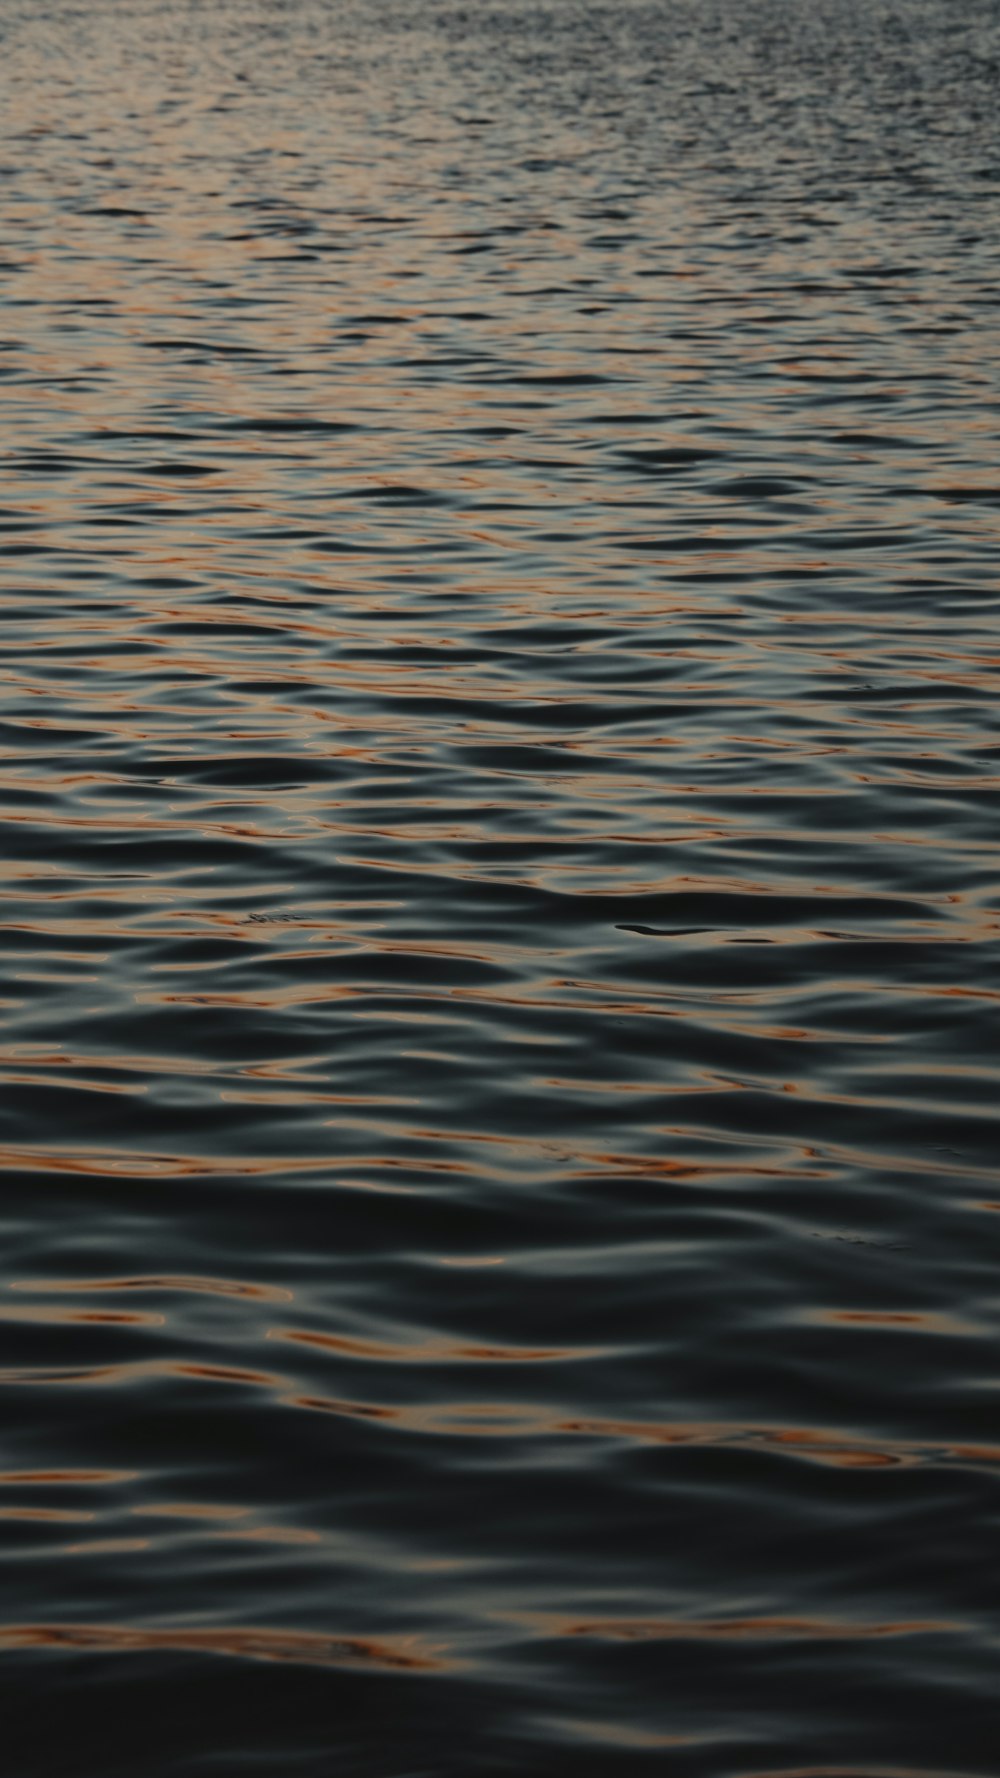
(500, 1210)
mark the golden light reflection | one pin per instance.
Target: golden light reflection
(434, 1351)
(408, 1654)
(224, 1287)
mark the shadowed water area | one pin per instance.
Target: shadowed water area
(499, 889)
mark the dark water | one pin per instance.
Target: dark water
(501, 744)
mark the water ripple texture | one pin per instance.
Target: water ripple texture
(500, 750)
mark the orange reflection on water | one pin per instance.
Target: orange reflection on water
(49, 1316)
(408, 1653)
(923, 1323)
(62, 1478)
(616, 1734)
(105, 1546)
(434, 1350)
(190, 1510)
(210, 1286)
(45, 1514)
(219, 1373)
(279, 1534)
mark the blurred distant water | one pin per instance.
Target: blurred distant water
(499, 888)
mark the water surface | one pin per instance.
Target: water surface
(499, 888)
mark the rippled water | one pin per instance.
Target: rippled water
(499, 885)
